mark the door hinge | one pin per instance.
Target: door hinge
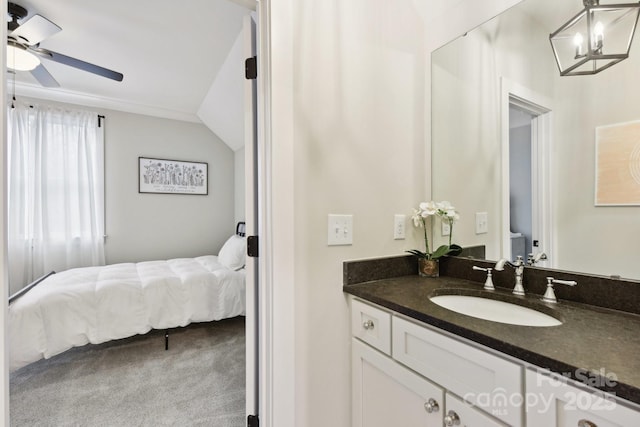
(251, 68)
(252, 421)
(252, 246)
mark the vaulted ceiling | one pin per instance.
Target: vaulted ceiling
(170, 52)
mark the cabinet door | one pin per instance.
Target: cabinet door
(459, 413)
(386, 393)
(553, 401)
(480, 378)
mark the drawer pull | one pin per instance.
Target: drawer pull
(452, 419)
(586, 423)
(431, 406)
(368, 324)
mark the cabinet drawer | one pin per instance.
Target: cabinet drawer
(554, 401)
(371, 325)
(480, 378)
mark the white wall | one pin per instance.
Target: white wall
(359, 149)
(222, 108)
(600, 239)
(159, 226)
(350, 132)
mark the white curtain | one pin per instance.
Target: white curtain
(56, 191)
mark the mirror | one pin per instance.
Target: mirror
(508, 62)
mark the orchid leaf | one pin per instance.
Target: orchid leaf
(454, 250)
(441, 251)
(417, 253)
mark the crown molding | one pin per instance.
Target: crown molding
(71, 97)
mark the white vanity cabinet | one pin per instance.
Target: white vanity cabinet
(401, 373)
(409, 374)
(554, 401)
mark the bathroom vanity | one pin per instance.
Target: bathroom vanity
(417, 363)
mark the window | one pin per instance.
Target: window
(55, 191)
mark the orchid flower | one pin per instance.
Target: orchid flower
(446, 212)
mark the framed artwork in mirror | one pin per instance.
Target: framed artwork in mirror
(164, 176)
(618, 164)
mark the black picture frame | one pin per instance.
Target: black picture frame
(165, 176)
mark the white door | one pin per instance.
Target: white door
(386, 393)
(251, 219)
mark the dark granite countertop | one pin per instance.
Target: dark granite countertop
(590, 343)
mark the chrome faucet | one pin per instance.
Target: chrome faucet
(518, 266)
(534, 259)
(488, 283)
(549, 295)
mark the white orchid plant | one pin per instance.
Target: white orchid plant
(448, 214)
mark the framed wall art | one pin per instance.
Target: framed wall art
(172, 176)
(618, 165)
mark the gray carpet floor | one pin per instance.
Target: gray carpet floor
(199, 381)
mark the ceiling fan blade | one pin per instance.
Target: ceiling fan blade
(77, 63)
(44, 77)
(35, 29)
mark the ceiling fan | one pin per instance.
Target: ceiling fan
(24, 51)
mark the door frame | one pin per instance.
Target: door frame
(259, 377)
(275, 312)
(4, 280)
(541, 107)
(251, 192)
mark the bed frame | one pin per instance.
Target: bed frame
(27, 288)
(240, 231)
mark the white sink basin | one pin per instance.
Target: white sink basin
(496, 311)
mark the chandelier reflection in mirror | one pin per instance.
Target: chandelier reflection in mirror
(598, 37)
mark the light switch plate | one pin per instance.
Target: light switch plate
(446, 229)
(482, 222)
(399, 225)
(340, 230)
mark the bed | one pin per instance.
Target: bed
(98, 304)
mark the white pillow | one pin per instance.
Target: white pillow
(233, 253)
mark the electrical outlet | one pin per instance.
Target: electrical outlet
(482, 222)
(446, 229)
(340, 230)
(399, 225)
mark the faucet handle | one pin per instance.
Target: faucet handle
(550, 295)
(533, 259)
(488, 284)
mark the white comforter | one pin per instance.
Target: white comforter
(98, 304)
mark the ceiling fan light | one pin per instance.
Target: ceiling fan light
(20, 59)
